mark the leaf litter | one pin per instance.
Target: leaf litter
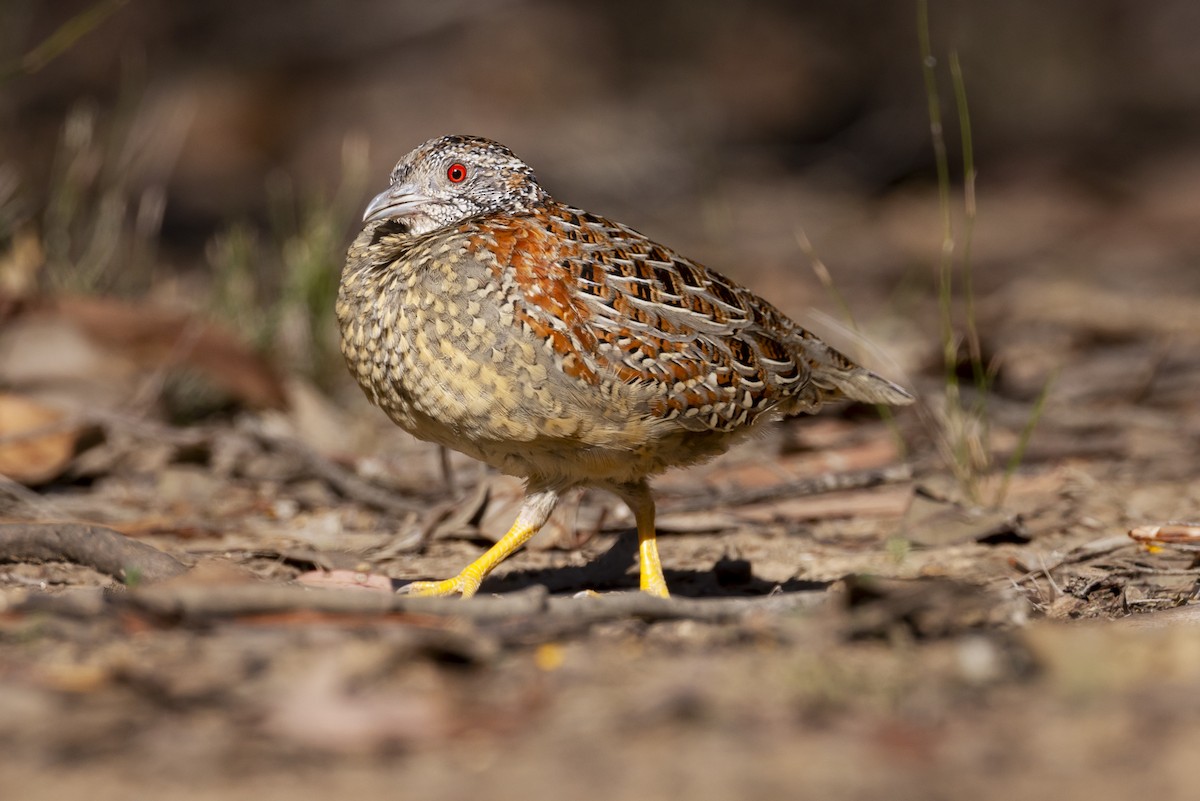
(178, 600)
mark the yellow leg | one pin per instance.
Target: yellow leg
(650, 567)
(642, 503)
(534, 512)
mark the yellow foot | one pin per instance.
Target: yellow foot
(656, 586)
(464, 584)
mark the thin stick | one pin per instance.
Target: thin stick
(102, 549)
(828, 482)
(195, 603)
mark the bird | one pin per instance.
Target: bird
(480, 313)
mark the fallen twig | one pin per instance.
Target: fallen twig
(336, 476)
(343, 480)
(193, 603)
(639, 605)
(1175, 534)
(102, 549)
(27, 497)
(828, 482)
(1186, 615)
(197, 603)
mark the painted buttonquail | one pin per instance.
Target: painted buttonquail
(480, 313)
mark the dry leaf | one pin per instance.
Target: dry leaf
(346, 579)
(26, 455)
(98, 347)
(158, 337)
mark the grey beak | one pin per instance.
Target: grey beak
(394, 201)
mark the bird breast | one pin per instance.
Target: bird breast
(438, 338)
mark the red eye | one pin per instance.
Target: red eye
(456, 173)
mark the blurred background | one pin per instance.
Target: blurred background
(179, 182)
(217, 154)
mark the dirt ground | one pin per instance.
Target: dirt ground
(846, 624)
(199, 544)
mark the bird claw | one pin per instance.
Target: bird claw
(461, 585)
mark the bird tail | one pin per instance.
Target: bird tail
(839, 378)
(860, 384)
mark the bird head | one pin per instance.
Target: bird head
(449, 179)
